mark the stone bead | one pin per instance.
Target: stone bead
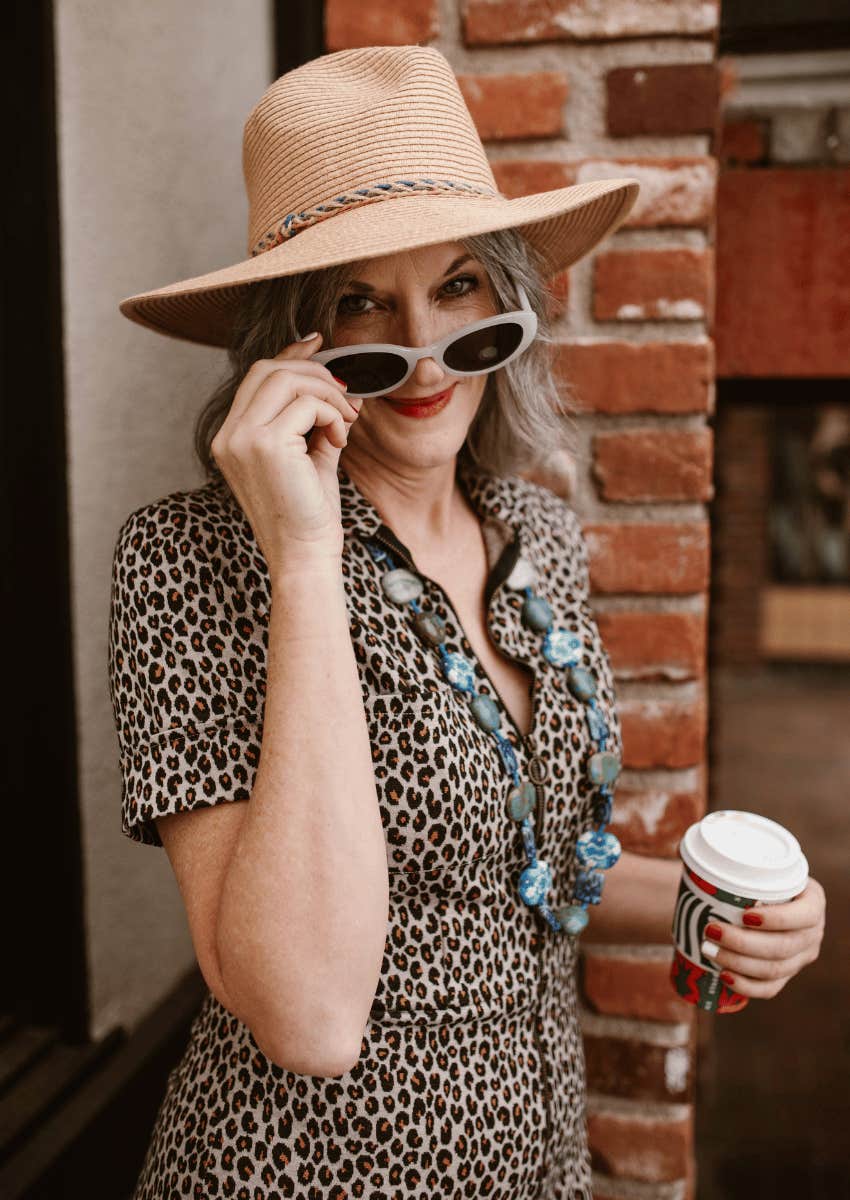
(597, 849)
(508, 754)
(459, 672)
(521, 801)
(535, 882)
(536, 613)
(572, 917)
(596, 723)
(603, 767)
(522, 576)
(602, 809)
(401, 585)
(582, 683)
(562, 648)
(588, 888)
(486, 713)
(430, 628)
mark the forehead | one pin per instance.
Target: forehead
(424, 263)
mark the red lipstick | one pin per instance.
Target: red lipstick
(426, 406)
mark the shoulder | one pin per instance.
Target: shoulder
(199, 534)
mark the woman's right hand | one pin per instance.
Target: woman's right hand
(288, 488)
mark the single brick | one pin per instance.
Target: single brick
(652, 285)
(673, 191)
(663, 733)
(526, 105)
(654, 464)
(488, 22)
(652, 821)
(674, 98)
(655, 1149)
(783, 288)
(742, 141)
(628, 986)
(664, 557)
(379, 23)
(525, 176)
(654, 645)
(636, 1070)
(626, 377)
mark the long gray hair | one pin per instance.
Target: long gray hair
(524, 414)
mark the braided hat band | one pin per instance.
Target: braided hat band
(364, 153)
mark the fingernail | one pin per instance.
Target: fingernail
(308, 336)
(342, 381)
(753, 919)
(726, 977)
(709, 950)
(714, 931)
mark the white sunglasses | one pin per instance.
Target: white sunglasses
(378, 368)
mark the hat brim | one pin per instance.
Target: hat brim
(563, 224)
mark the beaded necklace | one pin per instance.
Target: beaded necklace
(596, 850)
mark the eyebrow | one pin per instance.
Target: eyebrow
(453, 266)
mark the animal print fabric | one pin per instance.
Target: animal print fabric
(471, 1075)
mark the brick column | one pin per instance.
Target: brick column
(563, 92)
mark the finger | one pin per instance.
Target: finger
(295, 355)
(757, 943)
(278, 390)
(753, 967)
(804, 910)
(302, 415)
(761, 987)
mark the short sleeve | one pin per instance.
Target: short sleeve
(186, 663)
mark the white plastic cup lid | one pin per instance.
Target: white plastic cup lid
(746, 854)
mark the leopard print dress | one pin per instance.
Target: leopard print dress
(471, 1075)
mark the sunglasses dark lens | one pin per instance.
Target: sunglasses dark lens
(368, 372)
(484, 347)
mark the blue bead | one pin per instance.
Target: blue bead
(589, 884)
(602, 806)
(459, 672)
(521, 800)
(536, 613)
(507, 752)
(573, 918)
(603, 766)
(596, 723)
(596, 849)
(535, 882)
(486, 713)
(562, 648)
(582, 683)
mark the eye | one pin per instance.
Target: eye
(343, 306)
(462, 279)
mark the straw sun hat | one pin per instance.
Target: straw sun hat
(363, 153)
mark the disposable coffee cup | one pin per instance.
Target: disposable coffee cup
(732, 861)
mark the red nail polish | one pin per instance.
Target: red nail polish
(342, 381)
(714, 932)
(727, 978)
(753, 919)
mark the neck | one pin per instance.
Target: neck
(422, 505)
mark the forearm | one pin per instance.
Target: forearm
(638, 902)
(303, 916)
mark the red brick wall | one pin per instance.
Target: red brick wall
(562, 92)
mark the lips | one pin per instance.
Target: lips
(422, 399)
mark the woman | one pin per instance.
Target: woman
(371, 627)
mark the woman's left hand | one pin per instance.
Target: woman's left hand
(760, 961)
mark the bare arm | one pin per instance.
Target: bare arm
(638, 902)
(302, 919)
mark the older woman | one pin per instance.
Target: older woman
(370, 634)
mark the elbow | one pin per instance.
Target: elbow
(302, 1056)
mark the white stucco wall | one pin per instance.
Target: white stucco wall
(151, 101)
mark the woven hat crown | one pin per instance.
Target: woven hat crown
(354, 127)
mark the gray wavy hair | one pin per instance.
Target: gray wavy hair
(524, 414)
